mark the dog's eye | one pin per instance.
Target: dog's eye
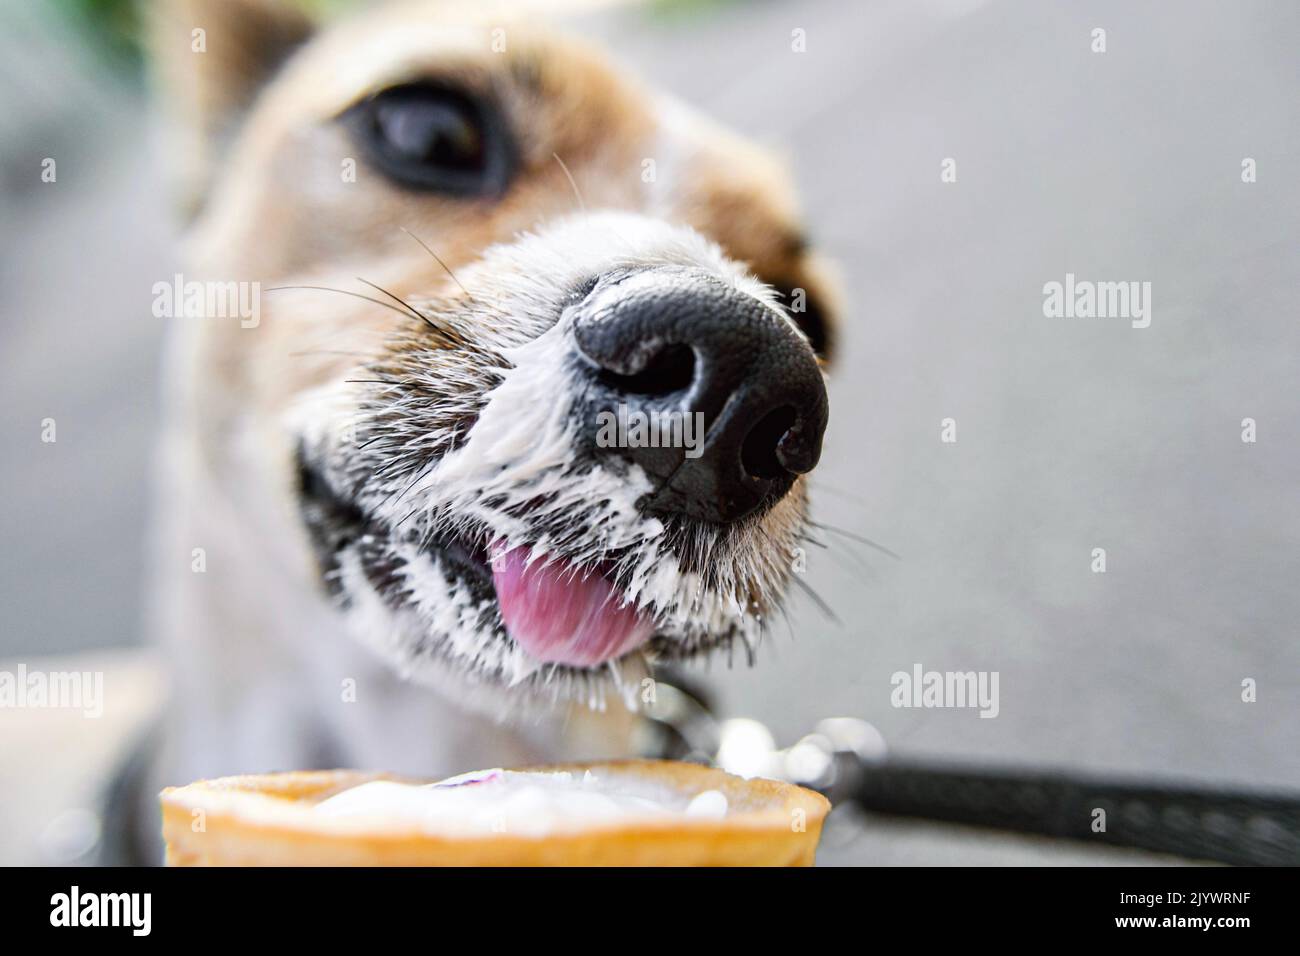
(434, 138)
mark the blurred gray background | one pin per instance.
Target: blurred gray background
(1072, 434)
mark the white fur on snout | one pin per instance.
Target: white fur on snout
(518, 476)
(521, 451)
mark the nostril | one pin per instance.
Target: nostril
(669, 370)
(758, 455)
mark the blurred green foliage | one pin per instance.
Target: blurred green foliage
(110, 27)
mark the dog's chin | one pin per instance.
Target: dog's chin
(470, 616)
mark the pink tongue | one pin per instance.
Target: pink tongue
(559, 616)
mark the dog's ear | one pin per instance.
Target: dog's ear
(210, 60)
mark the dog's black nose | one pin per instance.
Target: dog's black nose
(713, 393)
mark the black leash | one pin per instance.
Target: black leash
(1241, 827)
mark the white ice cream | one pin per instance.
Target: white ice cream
(521, 803)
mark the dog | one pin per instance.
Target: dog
(388, 535)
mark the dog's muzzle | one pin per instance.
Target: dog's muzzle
(687, 355)
(608, 498)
